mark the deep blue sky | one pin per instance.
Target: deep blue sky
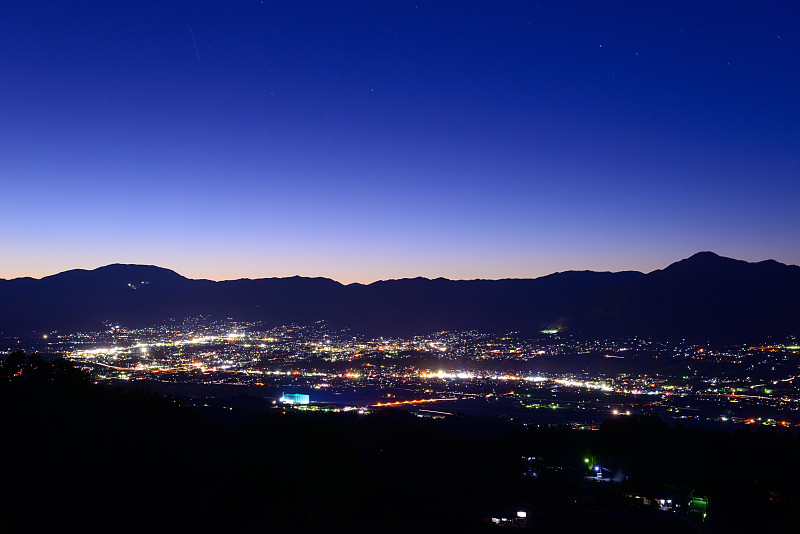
(373, 140)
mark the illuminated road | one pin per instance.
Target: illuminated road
(411, 402)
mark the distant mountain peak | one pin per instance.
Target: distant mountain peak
(705, 255)
(702, 262)
(135, 268)
(709, 258)
(117, 274)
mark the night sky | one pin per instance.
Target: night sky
(386, 139)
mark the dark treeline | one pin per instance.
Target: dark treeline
(77, 453)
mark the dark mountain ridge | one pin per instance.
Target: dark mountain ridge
(704, 296)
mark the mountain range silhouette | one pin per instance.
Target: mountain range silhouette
(705, 296)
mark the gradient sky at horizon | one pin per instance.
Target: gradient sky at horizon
(373, 140)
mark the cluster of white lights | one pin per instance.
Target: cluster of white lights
(579, 383)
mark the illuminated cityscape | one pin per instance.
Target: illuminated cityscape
(552, 378)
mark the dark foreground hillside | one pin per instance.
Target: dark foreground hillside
(78, 454)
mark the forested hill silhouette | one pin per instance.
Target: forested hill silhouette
(704, 296)
(76, 452)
